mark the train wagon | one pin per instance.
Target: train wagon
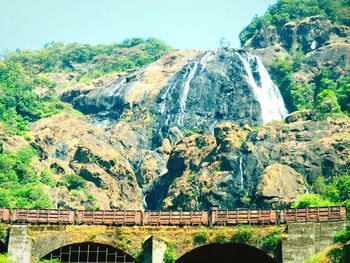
(176, 218)
(243, 216)
(43, 216)
(110, 217)
(314, 214)
(5, 215)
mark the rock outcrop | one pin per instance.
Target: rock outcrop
(279, 185)
(238, 167)
(70, 145)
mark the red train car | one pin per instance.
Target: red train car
(110, 217)
(43, 216)
(5, 215)
(314, 214)
(176, 218)
(243, 216)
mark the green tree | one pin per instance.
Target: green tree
(74, 181)
(326, 102)
(311, 200)
(343, 92)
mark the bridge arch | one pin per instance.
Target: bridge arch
(225, 253)
(89, 252)
(3, 248)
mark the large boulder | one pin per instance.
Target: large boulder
(279, 185)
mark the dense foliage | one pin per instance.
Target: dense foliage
(87, 60)
(22, 73)
(5, 259)
(341, 254)
(19, 105)
(284, 11)
(332, 192)
(324, 93)
(20, 185)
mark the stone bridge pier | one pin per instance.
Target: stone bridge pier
(148, 244)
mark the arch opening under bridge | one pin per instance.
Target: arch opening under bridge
(225, 253)
(3, 248)
(89, 252)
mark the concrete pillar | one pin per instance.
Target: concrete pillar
(20, 245)
(307, 239)
(153, 250)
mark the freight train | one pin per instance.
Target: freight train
(172, 218)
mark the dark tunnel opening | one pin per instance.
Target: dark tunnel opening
(89, 252)
(226, 253)
(3, 248)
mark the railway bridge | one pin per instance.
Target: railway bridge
(288, 236)
(151, 244)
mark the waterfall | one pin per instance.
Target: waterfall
(189, 76)
(267, 93)
(165, 95)
(241, 171)
(117, 88)
(144, 201)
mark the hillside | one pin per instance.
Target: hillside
(138, 125)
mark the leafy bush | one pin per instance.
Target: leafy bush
(220, 237)
(342, 236)
(342, 253)
(201, 237)
(170, 255)
(327, 102)
(272, 240)
(20, 105)
(311, 200)
(19, 183)
(243, 235)
(74, 181)
(47, 178)
(5, 259)
(188, 133)
(3, 233)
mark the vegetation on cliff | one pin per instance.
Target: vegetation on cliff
(20, 185)
(292, 10)
(323, 93)
(310, 65)
(22, 74)
(23, 78)
(327, 192)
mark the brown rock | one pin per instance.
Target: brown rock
(280, 184)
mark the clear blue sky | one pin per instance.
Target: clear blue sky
(181, 23)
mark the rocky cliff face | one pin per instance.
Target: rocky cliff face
(325, 45)
(193, 131)
(239, 166)
(186, 90)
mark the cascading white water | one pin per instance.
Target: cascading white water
(189, 76)
(165, 95)
(144, 201)
(267, 93)
(241, 171)
(117, 88)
